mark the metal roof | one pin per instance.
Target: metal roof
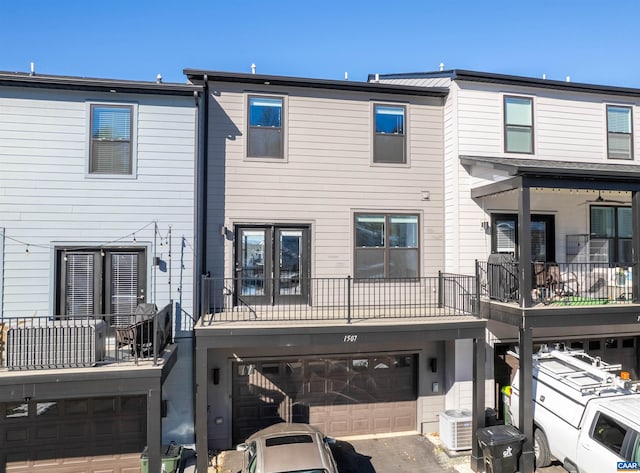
(199, 76)
(487, 77)
(20, 79)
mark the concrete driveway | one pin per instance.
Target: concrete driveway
(395, 454)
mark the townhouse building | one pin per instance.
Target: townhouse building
(325, 299)
(542, 199)
(97, 199)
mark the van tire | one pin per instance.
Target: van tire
(541, 449)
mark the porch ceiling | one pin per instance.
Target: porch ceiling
(510, 174)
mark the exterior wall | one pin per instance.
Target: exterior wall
(47, 198)
(220, 400)
(568, 126)
(326, 176)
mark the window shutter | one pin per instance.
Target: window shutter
(79, 284)
(124, 283)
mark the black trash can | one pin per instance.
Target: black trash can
(501, 446)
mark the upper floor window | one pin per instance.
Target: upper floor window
(612, 231)
(111, 139)
(518, 125)
(386, 246)
(619, 132)
(265, 127)
(390, 142)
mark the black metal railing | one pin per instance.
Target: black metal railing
(558, 283)
(76, 342)
(236, 299)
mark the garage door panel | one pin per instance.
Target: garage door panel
(75, 436)
(341, 395)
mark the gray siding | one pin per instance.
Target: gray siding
(327, 174)
(47, 199)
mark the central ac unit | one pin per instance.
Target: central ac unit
(455, 429)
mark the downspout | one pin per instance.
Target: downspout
(201, 197)
(200, 246)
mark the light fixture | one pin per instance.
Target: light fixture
(26, 250)
(65, 256)
(102, 252)
(134, 238)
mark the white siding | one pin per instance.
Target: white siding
(568, 126)
(47, 199)
(327, 174)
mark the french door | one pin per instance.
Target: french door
(100, 281)
(272, 264)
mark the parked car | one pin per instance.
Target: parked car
(288, 448)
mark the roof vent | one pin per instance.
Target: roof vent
(253, 68)
(33, 69)
(568, 79)
(158, 79)
(441, 66)
(346, 75)
(544, 76)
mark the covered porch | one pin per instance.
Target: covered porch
(565, 240)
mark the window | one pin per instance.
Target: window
(518, 125)
(111, 139)
(619, 132)
(504, 238)
(613, 226)
(265, 127)
(100, 281)
(390, 141)
(386, 246)
(609, 433)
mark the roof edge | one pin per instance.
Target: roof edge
(522, 81)
(198, 75)
(18, 79)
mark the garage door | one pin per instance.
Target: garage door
(80, 435)
(341, 395)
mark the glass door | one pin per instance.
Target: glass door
(291, 271)
(272, 265)
(252, 269)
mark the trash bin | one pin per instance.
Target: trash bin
(501, 446)
(171, 455)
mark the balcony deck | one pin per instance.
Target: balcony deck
(108, 342)
(338, 301)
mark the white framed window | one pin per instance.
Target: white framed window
(386, 245)
(518, 124)
(389, 134)
(266, 127)
(112, 139)
(619, 132)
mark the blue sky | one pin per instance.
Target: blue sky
(591, 41)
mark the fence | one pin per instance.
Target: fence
(233, 299)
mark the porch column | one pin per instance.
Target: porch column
(154, 430)
(201, 409)
(635, 252)
(524, 245)
(477, 422)
(525, 408)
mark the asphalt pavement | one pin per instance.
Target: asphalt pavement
(382, 454)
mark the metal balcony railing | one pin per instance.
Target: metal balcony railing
(347, 299)
(78, 342)
(558, 283)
